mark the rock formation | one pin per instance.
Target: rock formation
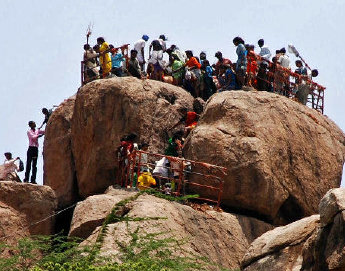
(281, 248)
(315, 243)
(59, 169)
(103, 112)
(218, 236)
(22, 206)
(282, 157)
(325, 250)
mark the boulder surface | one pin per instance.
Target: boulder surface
(24, 209)
(104, 111)
(281, 156)
(280, 248)
(59, 170)
(219, 236)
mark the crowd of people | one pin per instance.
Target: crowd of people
(138, 172)
(195, 73)
(10, 167)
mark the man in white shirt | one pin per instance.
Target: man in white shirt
(283, 59)
(139, 46)
(9, 168)
(265, 53)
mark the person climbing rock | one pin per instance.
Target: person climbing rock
(32, 153)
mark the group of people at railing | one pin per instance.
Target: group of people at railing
(196, 74)
(167, 172)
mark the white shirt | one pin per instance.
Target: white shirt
(140, 44)
(265, 53)
(164, 44)
(284, 61)
(9, 166)
(162, 167)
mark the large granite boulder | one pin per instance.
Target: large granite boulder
(221, 237)
(325, 250)
(84, 132)
(315, 243)
(26, 209)
(281, 156)
(59, 170)
(280, 248)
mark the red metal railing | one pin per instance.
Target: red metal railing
(285, 82)
(134, 163)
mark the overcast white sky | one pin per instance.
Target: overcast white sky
(42, 44)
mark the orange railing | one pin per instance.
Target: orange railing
(134, 163)
(285, 82)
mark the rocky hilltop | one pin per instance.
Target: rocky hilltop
(281, 159)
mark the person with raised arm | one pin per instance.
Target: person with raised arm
(32, 153)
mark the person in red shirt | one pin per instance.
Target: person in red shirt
(193, 74)
(252, 66)
(221, 61)
(190, 118)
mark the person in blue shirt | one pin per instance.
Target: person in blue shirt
(116, 62)
(241, 64)
(210, 87)
(227, 78)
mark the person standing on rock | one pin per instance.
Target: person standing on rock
(140, 47)
(241, 64)
(32, 153)
(104, 57)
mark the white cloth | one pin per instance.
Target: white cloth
(138, 45)
(265, 53)
(161, 167)
(164, 44)
(8, 167)
(181, 55)
(157, 56)
(284, 61)
(90, 60)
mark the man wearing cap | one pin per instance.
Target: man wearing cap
(139, 46)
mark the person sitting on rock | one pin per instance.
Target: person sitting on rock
(8, 171)
(146, 180)
(221, 61)
(227, 78)
(133, 65)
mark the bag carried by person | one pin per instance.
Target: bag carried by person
(21, 166)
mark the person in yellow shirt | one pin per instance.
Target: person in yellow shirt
(145, 181)
(104, 57)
